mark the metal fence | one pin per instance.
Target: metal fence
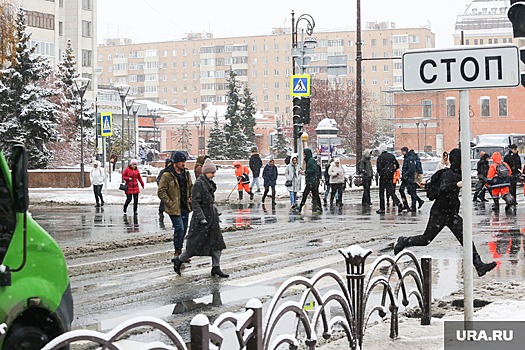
(343, 307)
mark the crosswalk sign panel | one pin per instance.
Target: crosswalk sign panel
(106, 124)
(300, 85)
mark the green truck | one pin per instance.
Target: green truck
(36, 304)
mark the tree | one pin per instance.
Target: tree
(238, 143)
(217, 145)
(248, 115)
(335, 99)
(280, 148)
(7, 34)
(27, 114)
(183, 137)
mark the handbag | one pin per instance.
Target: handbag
(123, 187)
(288, 183)
(358, 180)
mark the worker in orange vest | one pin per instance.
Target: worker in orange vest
(243, 180)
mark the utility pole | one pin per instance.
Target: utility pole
(358, 90)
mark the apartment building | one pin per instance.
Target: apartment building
(193, 71)
(53, 22)
(429, 121)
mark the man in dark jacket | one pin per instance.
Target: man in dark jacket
(387, 164)
(255, 166)
(408, 174)
(483, 169)
(312, 181)
(444, 212)
(270, 180)
(514, 161)
(168, 162)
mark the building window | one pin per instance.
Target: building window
(86, 58)
(86, 29)
(87, 4)
(40, 20)
(385, 68)
(374, 68)
(451, 106)
(427, 109)
(502, 106)
(485, 106)
(60, 28)
(373, 42)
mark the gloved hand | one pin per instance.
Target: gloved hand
(203, 222)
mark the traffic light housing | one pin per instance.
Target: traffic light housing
(516, 14)
(305, 110)
(297, 127)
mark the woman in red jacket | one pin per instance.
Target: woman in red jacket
(131, 176)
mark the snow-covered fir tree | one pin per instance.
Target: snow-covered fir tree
(238, 145)
(217, 145)
(27, 114)
(248, 115)
(183, 137)
(280, 148)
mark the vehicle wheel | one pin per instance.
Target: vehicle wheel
(26, 338)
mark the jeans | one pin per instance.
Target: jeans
(97, 190)
(293, 197)
(180, 225)
(255, 181)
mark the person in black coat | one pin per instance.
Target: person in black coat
(514, 161)
(255, 166)
(387, 165)
(444, 212)
(204, 234)
(270, 179)
(483, 169)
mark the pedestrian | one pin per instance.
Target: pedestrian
(142, 155)
(167, 163)
(293, 179)
(198, 165)
(270, 179)
(326, 177)
(498, 178)
(97, 176)
(131, 176)
(386, 167)
(174, 190)
(255, 166)
(443, 162)
(204, 235)
(113, 160)
(243, 180)
(514, 161)
(337, 181)
(149, 156)
(444, 212)
(408, 180)
(367, 173)
(482, 168)
(312, 182)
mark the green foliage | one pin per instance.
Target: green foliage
(248, 115)
(238, 144)
(280, 148)
(217, 145)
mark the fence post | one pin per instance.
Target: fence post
(256, 340)
(200, 333)
(426, 267)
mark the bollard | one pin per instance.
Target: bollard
(200, 333)
(426, 267)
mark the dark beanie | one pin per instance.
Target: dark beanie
(168, 162)
(404, 149)
(179, 157)
(455, 158)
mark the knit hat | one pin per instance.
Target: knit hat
(455, 158)
(179, 157)
(336, 160)
(382, 148)
(133, 161)
(208, 167)
(404, 149)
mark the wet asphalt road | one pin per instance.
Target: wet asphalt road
(119, 264)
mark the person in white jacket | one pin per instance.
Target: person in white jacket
(337, 181)
(97, 176)
(294, 179)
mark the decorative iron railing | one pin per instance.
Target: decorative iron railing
(311, 313)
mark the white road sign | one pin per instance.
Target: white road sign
(462, 67)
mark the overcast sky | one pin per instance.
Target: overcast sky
(161, 20)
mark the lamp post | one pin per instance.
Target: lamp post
(154, 116)
(129, 104)
(358, 90)
(81, 84)
(135, 110)
(417, 125)
(204, 114)
(310, 24)
(425, 123)
(123, 90)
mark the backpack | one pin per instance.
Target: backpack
(287, 160)
(502, 170)
(432, 186)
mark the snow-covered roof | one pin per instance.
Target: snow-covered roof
(327, 124)
(159, 108)
(210, 111)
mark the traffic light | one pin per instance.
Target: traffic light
(305, 110)
(297, 127)
(516, 14)
(296, 106)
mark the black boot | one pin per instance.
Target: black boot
(97, 205)
(495, 206)
(216, 271)
(177, 263)
(481, 267)
(240, 195)
(402, 243)
(251, 195)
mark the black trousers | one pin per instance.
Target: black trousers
(97, 190)
(386, 185)
(161, 207)
(135, 202)
(316, 200)
(411, 189)
(480, 190)
(512, 187)
(266, 189)
(337, 189)
(367, 182)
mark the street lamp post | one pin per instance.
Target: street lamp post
(204, 114)
(135, 110)
(310, 24)
(129, 104)
(425, 123)
(123, 90)
(417, 126)
(358, 90)
(154, 116)
(81, 85)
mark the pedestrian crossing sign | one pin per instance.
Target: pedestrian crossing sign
(300, 85)
(106, 124)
